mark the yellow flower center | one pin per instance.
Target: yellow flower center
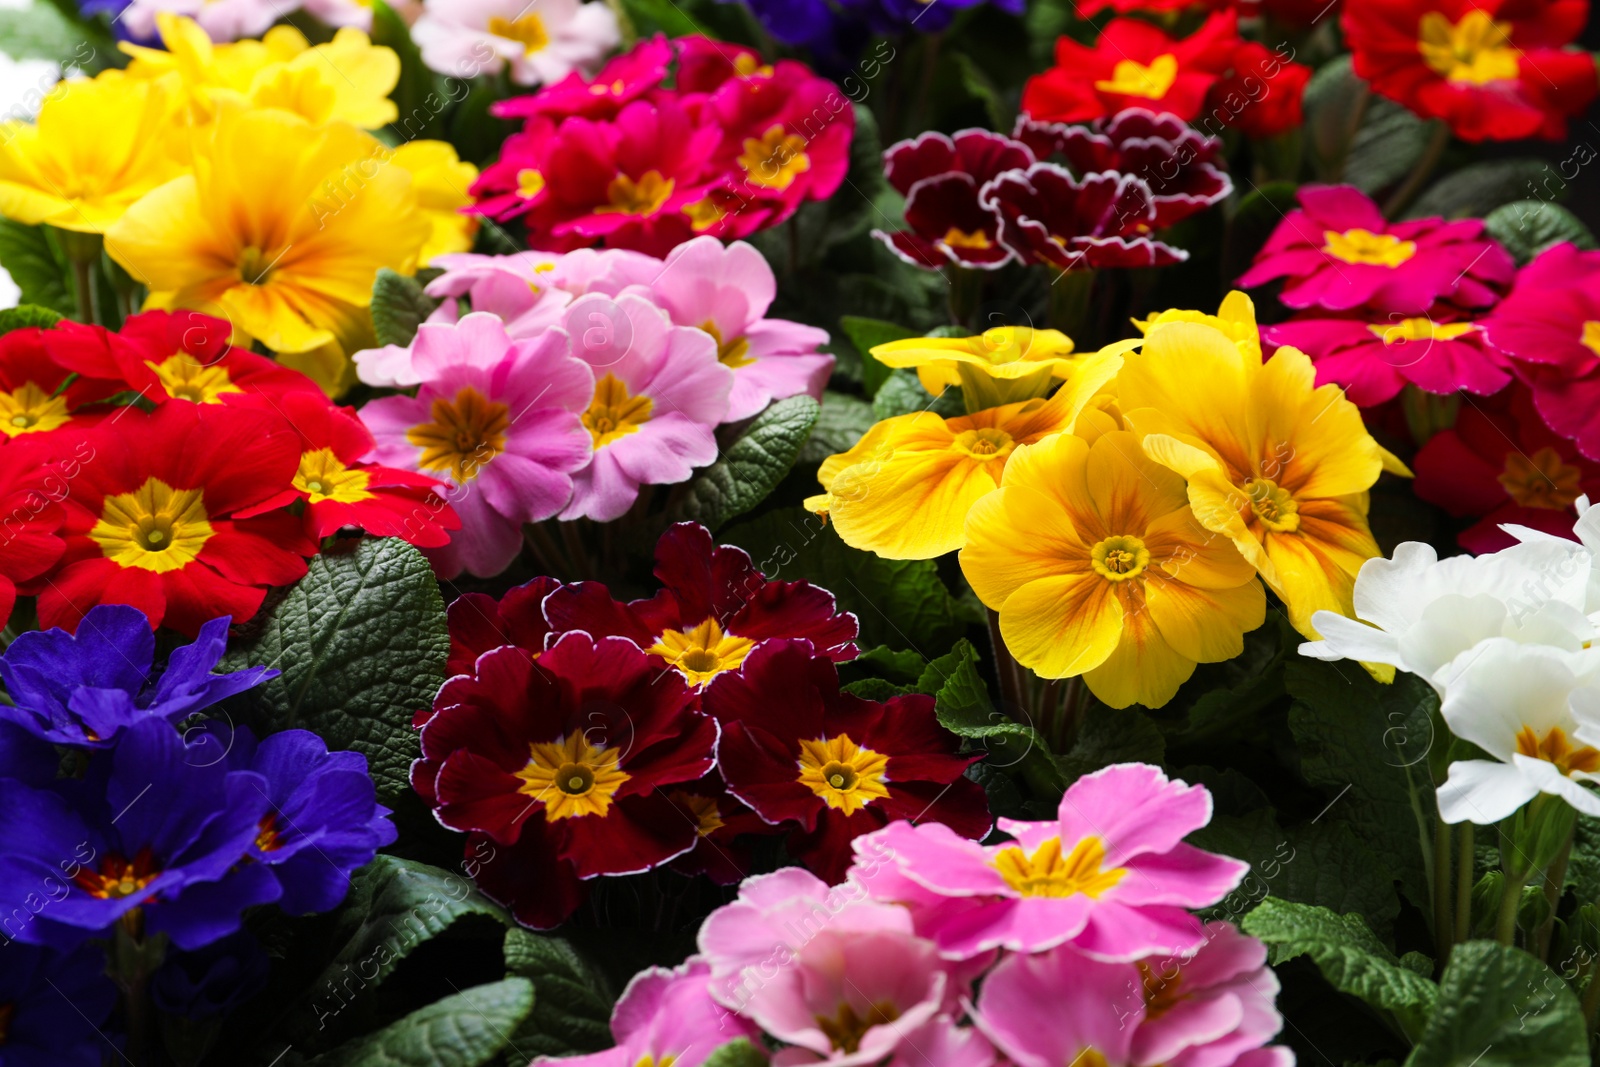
(959, 238)
(747, 66)
(845, 775)
(614, 414)
(1475, 51)
(1554, 748)
(117, 877)
(734, 353)
(1420, 330)
(322, 477)
(1273, 505)
(29, 409)
(703, 652)
(186, 378)
(776, 159)
(1591, 336)
(1160, 988)
(601, 89)
(1541, 480)
(268, 838)
(466, 433)
(626, 197)
(703, 810)
(527, 30)
(530, 183)
(1130, 78)
(846, 1029)
(572, 777)
(1047, 873)
(255, 266)
(155, 527)
(985, 444)
(704, 214)
(1366, 247)
(1119, 558)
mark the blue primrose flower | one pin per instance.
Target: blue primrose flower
(212, 981)
(324, 821)
(163, 847)
(53, 1007)
(82, 690)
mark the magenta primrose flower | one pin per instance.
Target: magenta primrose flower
(1337, 252)
(1112, 875)
(1374, 357)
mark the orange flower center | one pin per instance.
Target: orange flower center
(1541, 480)
(613, 414)
(572, 777)
(846, 1028)
(703, 810)
(702, 652)
(117, 877)
(268, 837)
(846, 776)
(466, 433)
(1554, 748)
(1272, 505)
(1119, 558)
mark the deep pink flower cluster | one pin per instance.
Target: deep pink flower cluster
(733, 146)
(1075, 934)
(982, 200)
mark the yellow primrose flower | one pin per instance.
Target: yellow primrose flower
(347, 80)
(1274, 463)
(905, 489)
(280, 229)
(1236, 318)
(1017, 361)
(97, 147)
(1094, 560)
(440, 181)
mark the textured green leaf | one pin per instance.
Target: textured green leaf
(1320, 863)
(572, 1008)
(39, 31)
(1383, 150)
(1349, 956)
(399, 306)
(750, 468)
(465, 1030)
(394, 905)
(1474, 191)
(740, 1053)
(659, 16)
(1500, 1007)
(900, 603)
(901, 665)
(1109, 735)
(1528, 227)
(902, 394)
(361, 642)
(1388, 145)
(1366, 745)
(26, 315)
(867, 334)
(36, 264)
(964, 708)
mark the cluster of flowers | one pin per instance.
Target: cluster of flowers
(575, 379)
(243, 183)
(163, 468)
(1213, 78)
(1505, 638)
(983, 200)
(1492, 71)
(1072, 931)
(172, 825)
(734, 145)
(1119, 524)
(583, 737)
(1436, 307)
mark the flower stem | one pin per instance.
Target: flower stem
(1421, 172)
(1464, 873)
(1070, 303)
(1443, 922)
(1505, 926)
(1555, 881)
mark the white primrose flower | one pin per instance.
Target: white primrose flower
(1587, 531)
(1419, 612)
(1534, 709)
(542, 40)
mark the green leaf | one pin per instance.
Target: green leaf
(982, 88)
(572, 1008)
(867, 334)
(1474, 191)
(900, 603)
(844, 420)
(963, 706)
(1383, 150)
(905, 666)
(1109, 735)
(39, 31)
(416, 94)
(1349, 956)
(659, 16)
(27, 315)
(36, 264)
(1366, 745)
(739, 1053)
(750, 468)
(1388, 145)
(361, 642)
(399, 306)
(1500, 1007)
(902, 394)
(465, 1030)
(1528, 227)
(394, 905)
(1321, 863)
